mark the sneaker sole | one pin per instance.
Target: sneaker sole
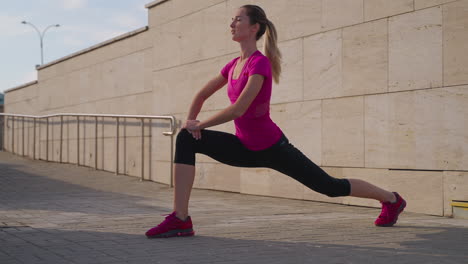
(400, 210)
(174, 233)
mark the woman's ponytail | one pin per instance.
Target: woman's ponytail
(272, 51)
(257, 15)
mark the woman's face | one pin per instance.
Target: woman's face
(241, 29)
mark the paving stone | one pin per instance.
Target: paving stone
(59, 213)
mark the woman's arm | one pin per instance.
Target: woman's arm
(251, 90)
(209, 89)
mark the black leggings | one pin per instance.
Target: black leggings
(282, 156)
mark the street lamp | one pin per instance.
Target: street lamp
(41, 36)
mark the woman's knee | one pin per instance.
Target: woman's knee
(183, 137)
(185, 149)
(337, 188)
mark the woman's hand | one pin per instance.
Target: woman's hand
(193, 128)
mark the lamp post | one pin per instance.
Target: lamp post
(41, 36)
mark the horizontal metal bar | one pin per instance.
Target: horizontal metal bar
(89, 115)
(169, 133)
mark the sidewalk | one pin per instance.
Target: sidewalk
(55, 213)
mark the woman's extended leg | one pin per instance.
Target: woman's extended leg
(290, 161)
(363, 189)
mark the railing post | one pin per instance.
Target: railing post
(172, 161)
(34, 139)
(47, 139)
(2, 129)
(117, 148)
(125, 145)
(22, 136)
(61, 137)
(149, 148)
(142, 149)
(95, 142)
(77, 140)
(13, 134)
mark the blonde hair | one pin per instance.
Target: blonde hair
(271, 50)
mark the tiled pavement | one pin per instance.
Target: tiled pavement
(56, 213)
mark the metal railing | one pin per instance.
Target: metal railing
(14, 118)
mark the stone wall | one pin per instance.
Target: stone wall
(371, 89)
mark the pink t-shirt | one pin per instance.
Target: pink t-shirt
(255, 129)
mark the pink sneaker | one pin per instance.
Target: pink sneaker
(171, 227)
(390, 211)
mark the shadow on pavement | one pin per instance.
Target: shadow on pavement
(31, 245)
(22, 190)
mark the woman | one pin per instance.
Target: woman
(258, 141)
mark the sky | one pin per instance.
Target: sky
(83, 23)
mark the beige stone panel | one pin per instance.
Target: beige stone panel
(455, 189)
(167, 43)
(415, 50)
(290, 87)
(161, 171)
(161, 14)
(174, 89)
(71, 151)
(292, 19)
(174, 9)
(107, 156)
(343, 132)
(282, 185)
(341, 13)
(129, 127)
(107, 127)
(216, 176)
(389, 131)
(455, 16)
(302, 124)
(419, 4)
(210, 23)
(185, 40)
(69, 140)
(130, 157)
(26, 107)
(214, 26)
(452, 149)
(255, 181)
(26, 93)
(323, 65)
(261, 181)
(148, 70)
(422, 190)
(192, 37)
(315, 196)
(128, 74)
(417, 130)
(365, 59)
(54, 93)
(375, 9)
(72, 87)
(46, 73)
(161, 144)
(132, 104)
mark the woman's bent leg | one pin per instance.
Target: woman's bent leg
(183, 181)
(223, 147)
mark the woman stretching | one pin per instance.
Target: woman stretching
(258, 141)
